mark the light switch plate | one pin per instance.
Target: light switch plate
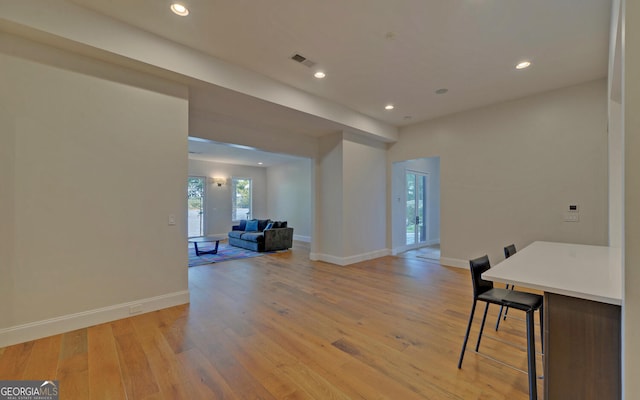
(172, 219)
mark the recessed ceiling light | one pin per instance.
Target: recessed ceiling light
(523, 64)
(442, 91)
(389, 107)
(179, 9)
(260, 163)
(319, 74)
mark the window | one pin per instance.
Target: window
(240, 199)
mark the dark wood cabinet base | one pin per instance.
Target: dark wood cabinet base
(582, 349)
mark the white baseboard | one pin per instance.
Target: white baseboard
(302, 238)
(454, 262)
(53, 326)
(351, 259)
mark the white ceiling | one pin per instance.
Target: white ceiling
(380, 51)
(376, 52)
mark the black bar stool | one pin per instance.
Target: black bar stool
(483, 290)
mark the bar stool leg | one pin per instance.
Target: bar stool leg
(507, 309)
(499, 317)
(484, 318)
(531, 356)
(466, 336)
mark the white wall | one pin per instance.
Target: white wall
(509, 171)
(616, 129)
(350, 219)
(91, 171)
(289, 196)
(615, 178)
(433, 169)
(631, 105)
(430, 166)
(218, 199)
(215, 128)
(328, 234)
(364, 203)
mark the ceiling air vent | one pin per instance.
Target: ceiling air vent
(303, 60)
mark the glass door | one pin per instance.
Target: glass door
(416, 212)
(195, 206)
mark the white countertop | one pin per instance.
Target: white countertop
(583, 271)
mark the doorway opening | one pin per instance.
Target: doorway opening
(415, 210)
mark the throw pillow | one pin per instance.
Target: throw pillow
(243, 225)
(269, 226)
(276, 224)
(283, 224)
(252, 226)
(262, 223)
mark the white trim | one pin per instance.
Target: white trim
(351, 259)
(454, 262)
(301, 238)
(53, 326)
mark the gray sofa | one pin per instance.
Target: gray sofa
(261, 235)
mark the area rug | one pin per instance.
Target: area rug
(226, 252)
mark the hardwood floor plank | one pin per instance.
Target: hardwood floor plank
(73, 365)
(207, 381)
(370, 384)
(252, 353)
(14, 361)
(104, 374)
(228, 367)
(74, 343)
(138, 379)
(164, 364)
(43, 361)
(73, 376)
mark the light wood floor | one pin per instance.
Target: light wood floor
(282, 327)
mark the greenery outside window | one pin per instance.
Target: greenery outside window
(240, 198)
(195, 206)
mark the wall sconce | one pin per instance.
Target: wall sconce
(218, 181)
